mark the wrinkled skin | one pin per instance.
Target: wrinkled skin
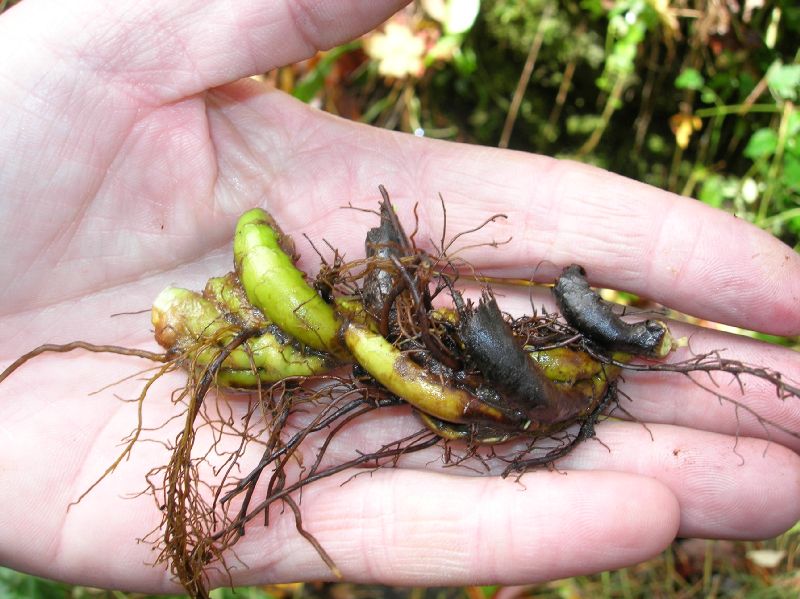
(129, 148)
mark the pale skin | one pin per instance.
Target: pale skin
(129, 149)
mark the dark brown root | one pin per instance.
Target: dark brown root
(711, 363)
(390, 452)
(185, 524)
(520, 465)
(595, 318)
(84, 345)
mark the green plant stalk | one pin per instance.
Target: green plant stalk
(464, 432)
(670, 573)
(708, 566)
(608, 110)
(423, 389)
(605, 581)
(780, 217)
(229, 296)
(182, 317)
(571, 370)
(228, 378)
(278, 288)
(524, 77)
(775, 165)
(185, 322)
(380, 106)
(674, 168)
(308, 87)
(564, 365)
(739, 109)
(701, 154)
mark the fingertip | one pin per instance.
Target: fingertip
(727, 486)
(657, 244)
(622, 519)
(404, 527)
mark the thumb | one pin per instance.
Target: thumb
(175, 48)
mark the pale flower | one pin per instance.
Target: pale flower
(456, 16)
(766, 558)
(398, 51)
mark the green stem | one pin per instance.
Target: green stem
(423, 389)
(775, 165)
(187, 323)
(779, 218)
(278, 288)
(230, 297)
(608, 111)
(740, 109)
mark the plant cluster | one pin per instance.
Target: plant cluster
(362, 336)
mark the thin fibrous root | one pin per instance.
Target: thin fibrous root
(84, 345)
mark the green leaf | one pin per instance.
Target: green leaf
(761, 144)
(712, 192)
(689, 79)
(791, 172)
(709, 96)
(784, 80)
(594, 7)
(313, 82)
(583, 124)
(793, 224)
(793, 134)
(465, 61)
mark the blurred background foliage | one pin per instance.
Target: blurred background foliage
(697, 97)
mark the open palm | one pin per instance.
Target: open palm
(129, 148)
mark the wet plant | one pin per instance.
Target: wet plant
(386, 330)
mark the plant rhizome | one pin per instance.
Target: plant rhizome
(390, 329)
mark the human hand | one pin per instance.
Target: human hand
(129, 150)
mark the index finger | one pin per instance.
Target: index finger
(628, 235)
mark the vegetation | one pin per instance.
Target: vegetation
(696, 98)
